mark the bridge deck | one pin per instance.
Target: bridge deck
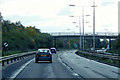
(86, 35)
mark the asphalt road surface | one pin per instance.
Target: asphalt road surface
(46, 70)
(88, 68)
(66, 64)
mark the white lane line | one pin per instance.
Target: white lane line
(75, 74)
(19, 70)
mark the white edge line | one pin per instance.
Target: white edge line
(99, 63)
(73, 72)
(105, 64)
(19, 70)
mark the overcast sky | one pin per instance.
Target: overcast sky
(53, 15)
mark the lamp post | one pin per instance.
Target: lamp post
(82, 21)
(80, 27)
(0, 17)
(1, 20)
(79, 31)
(83, 25)
(93, 24)
(69, 38)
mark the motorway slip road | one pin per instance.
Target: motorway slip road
(66, 64)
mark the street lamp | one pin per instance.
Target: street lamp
(83, 25)
(74, 22)
(87, 15)
(79, 30)
(87, 22)
(69, 38)
(1, 20)
(71, 5)
(93, 24)
(80, 26)
(71, 16)
(82, 22)
(68, 29)
(76, 26)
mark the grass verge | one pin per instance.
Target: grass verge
(115, 63)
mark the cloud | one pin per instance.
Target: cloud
(53, 15)
(64, 11)
(3, 1)
(24, 19)
(107, 16)
(43, 8)
(106, 3)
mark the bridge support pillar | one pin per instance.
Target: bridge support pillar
(55, 42)
(64, 43)
(69, 44)
(109, 43)
(74, 43)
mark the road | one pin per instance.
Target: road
(88, 68)
(47, 70)
(66, 64)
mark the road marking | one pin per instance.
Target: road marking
(75, 74)
(19, 70)
(98, 62)
(70, 68)
(105, 64)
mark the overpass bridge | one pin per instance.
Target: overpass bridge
(88, 35)
(72, 35)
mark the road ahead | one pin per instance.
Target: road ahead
(66, 64)
(47, 70)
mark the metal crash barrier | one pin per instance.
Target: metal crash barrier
(16, 57)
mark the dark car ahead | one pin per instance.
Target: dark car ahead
(43, 55)
(53, 50)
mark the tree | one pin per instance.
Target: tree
(104, 43)
(21, 38)
(116, 44)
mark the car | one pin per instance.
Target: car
(43, 55)
(102, 51)
(53, 50)
(108, 53)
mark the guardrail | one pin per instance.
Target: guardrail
(107, 56)
(15, 57)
